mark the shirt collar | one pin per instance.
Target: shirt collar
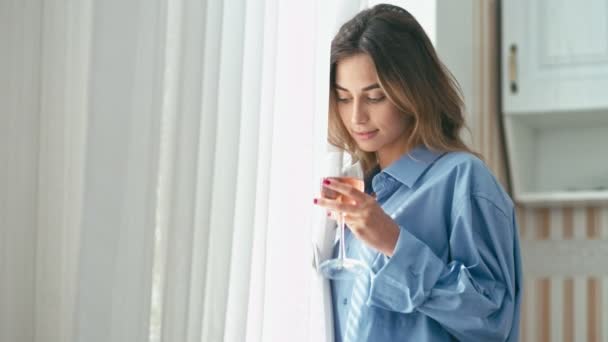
(412, 165)
(369, 179)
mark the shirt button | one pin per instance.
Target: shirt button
(345, 301)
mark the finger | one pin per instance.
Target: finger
(345, 189)
(328, 193)
(335, 205)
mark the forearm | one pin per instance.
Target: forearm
(471, 307)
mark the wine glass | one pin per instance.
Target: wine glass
(343, 267)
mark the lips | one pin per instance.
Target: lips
(365, 135)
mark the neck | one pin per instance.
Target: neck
(389, 154)
(387, 157)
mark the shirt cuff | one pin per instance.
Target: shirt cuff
(404, 280)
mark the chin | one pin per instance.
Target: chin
(367, 147)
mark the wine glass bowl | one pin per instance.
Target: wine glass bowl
(355, 182)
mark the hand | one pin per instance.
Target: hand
(365, 218)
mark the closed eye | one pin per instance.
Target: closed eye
(376, 99)
(369, 99)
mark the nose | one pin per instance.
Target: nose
(359, 114)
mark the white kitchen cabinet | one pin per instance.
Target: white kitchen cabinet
(555, 99)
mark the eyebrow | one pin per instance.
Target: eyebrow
(369, 87)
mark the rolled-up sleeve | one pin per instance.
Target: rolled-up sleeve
(474, 294)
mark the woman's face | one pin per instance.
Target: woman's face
(372, 120)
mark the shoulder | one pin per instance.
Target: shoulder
(460, 166)
(464, 164)
(471, 178)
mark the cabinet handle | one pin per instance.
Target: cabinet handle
(513, 68)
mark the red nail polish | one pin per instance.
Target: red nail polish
(326, 182)
(315, 201)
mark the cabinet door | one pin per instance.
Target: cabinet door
(554, 55)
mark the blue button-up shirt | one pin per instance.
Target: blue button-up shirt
(455, 272)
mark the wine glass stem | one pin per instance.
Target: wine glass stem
(342, 246)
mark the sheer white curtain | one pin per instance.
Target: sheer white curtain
(159, 164)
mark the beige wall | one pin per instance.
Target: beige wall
(563, 307)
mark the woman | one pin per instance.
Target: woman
(435, 227)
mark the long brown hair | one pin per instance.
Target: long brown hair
(410, 73)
